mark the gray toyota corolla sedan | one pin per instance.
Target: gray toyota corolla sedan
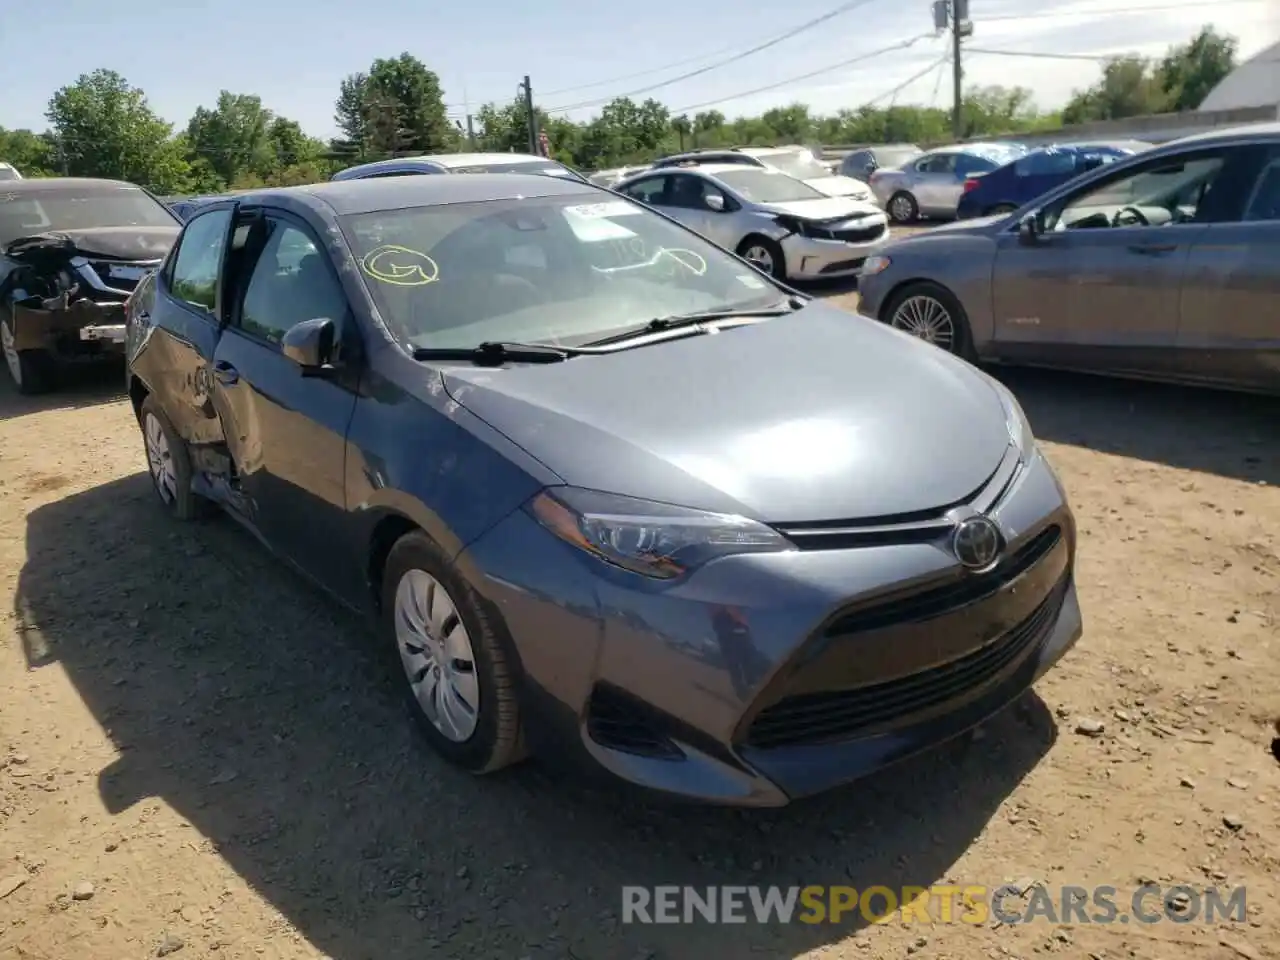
(610, 493)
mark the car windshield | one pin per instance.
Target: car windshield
(78, 208)
(768, 186)
(800, 164)
(563, 270)
(544, 167)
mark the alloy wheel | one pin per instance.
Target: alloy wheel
(160, 458)
(760, 256)
(925, 317)
(437, 656)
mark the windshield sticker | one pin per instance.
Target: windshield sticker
(755, 283)
(402, 266)
(687, 259)
(611, 208)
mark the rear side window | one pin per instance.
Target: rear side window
(194, 278)
(966, 164)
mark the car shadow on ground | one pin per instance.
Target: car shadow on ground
(82, 386)
(1192, 428)
(263, 714)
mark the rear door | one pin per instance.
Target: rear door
(934, 184)
(286, 430)
(174, 332)
(1230, 326)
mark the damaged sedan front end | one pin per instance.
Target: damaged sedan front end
(73, 252)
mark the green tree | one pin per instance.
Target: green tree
(32, 154)
(106, 128)
(1128, 88)
(233, 138)
(1190, 70)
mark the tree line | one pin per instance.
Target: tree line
(102, 126)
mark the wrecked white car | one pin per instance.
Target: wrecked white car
(71, 252)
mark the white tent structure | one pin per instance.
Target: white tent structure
(1255, 83)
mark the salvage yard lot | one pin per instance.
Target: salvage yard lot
(209, 755)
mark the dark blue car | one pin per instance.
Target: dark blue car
(1007, 188)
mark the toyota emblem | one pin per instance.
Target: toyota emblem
(976, 543)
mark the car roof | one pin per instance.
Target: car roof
(1245, 133)
(344, 197)
(39, 185)
(470, 159)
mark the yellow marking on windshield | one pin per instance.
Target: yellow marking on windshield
(402, 266)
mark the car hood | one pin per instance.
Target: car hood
(838, 186)
(829, 208)
(822, 415)
(122, 243)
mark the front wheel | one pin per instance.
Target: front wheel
(765, 254)
(457, 673)
(30, 370)
(932, 313)
(903, 207)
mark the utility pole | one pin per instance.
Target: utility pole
(471, 133)
(526, 89)
(961, 27)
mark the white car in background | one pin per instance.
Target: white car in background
(795, 161)
(607, 178)
(9, 172)
(778, 223)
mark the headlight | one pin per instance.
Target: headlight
(1019, 426)
(655, 540)
(873, 265)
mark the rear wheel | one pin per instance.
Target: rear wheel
(765, 254)
(1000, 208)
(169, 463)
(932, 313)
(31, 371)
(903, 207)
(456, 670)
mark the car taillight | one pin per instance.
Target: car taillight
(970, 184)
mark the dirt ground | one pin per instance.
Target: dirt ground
(201, 756)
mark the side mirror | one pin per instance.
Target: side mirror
(1030, 228)
(714, 202)
(310, 344)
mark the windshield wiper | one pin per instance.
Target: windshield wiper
(677, 321)
(495, 353)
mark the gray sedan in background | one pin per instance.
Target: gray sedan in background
(784, 226)
(1165, 265)
(931, 184)
(860, 164)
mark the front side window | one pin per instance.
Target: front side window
(1157, 193)
(768, 186)
(194, 278)
(648, 191)
(562, 270)
(291, 282)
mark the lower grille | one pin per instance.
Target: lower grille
(860, 235)
(844, 714)
(841, 265)
(619, 722)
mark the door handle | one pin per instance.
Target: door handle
(1152, 249)
(225, 372)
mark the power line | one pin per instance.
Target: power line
(773, 42)
(937, 82)
(1045, 55)
(893, 93)
(902, 45)
(1114, 12)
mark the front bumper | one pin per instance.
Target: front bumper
(810, 258)
(765, 678)
(873, 291)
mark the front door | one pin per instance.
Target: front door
(287, 432)
(1102, 284)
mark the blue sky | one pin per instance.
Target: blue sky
(293, 53)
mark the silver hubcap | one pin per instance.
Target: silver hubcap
(761, 257)
(160, 459)
(436, 653)
(901, 208)
(926, 318)
(10, 353)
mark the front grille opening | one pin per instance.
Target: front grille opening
(621, 722)
(833, 716)
(915, 605)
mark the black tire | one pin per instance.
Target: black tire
(497, 740)
(778, 270)
(902, 208)
(36, 372)
(962, 338)
(182, 502)
(1000, 208)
